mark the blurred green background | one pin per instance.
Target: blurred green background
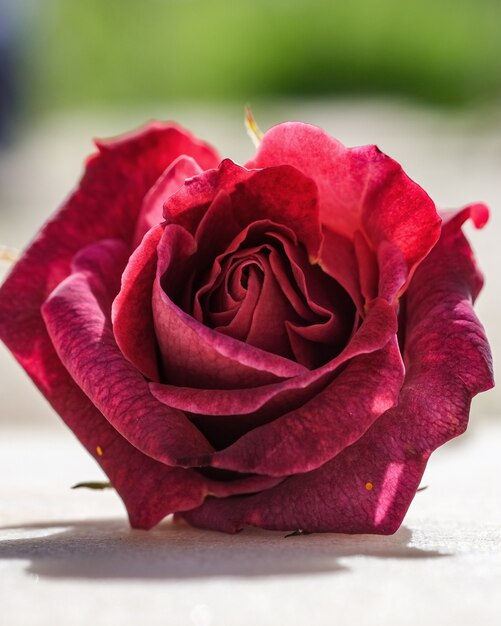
(121, 52)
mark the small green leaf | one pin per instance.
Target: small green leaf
(93, 485)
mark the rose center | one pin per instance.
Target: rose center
(266, 293)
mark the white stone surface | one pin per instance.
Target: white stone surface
(68, 557)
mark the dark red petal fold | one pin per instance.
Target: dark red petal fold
(335, 417)
(373, 335)
(369, 486)
(149, 489)
(309, 436)
(338, 259)
(132, 314)
(78, 319)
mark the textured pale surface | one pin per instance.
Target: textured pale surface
(68, 557)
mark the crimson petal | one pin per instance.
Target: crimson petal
(359, 189)
(77, 316)
(334, 418)
(338, 259)
(309, 436)
(132, 314)
(150, 490)
(281, 194)
(105, 205)
(170, 181)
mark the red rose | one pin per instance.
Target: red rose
(282, 344)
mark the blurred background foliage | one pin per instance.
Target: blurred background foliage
(124, 52)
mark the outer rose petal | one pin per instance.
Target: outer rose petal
(370, 485)
(359, 189)
(77, 315)
(310, 435)
(149, 489)
(105, 205)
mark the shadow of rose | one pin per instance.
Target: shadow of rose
(109, 549)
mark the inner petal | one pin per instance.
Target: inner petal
(264, 291)
(188, 346)
(240, 324)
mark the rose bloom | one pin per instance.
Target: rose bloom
(280, 345)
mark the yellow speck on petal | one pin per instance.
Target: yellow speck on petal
(369, 486)
(99, 451)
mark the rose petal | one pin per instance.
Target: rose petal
(149, 489)
(221, 218)
(281, 194)
(132, 314)
(194, 354)
(309, 436)
(392, 271)
(258, 231)
(299, 306)
(77, 315)
(105, 205)
(338, 259)
(267, 330)
(372, 336)
(478, 212)
(153, 204)
(240, 324)
(325, 300)
(370, 485)
(368, 270)
(359, 189)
